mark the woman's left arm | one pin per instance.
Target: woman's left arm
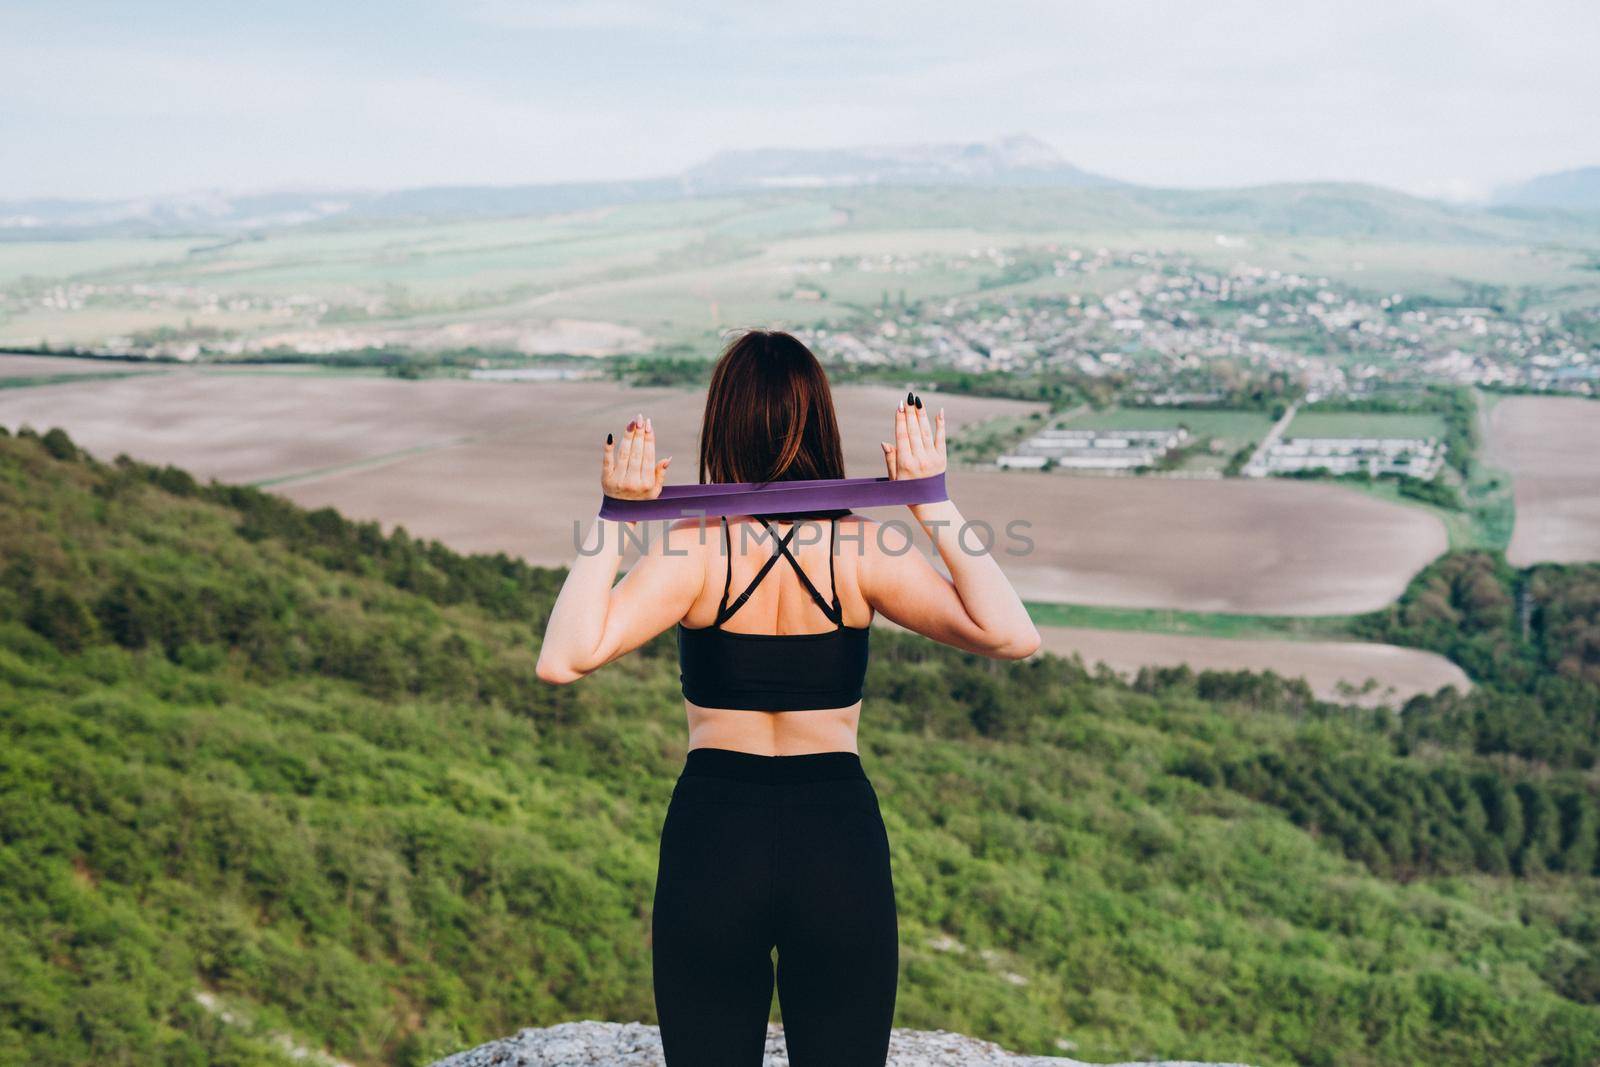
(593, 622)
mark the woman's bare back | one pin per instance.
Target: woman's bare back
(779, 605)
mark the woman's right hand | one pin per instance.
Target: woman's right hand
(918, 450)
(629, 471)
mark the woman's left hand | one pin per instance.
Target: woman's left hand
(918, 450)
(629, 471)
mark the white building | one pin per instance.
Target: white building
(1020, 462)
(1419, 457)
(1094, 449)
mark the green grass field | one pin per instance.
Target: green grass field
(1195, 623)
(1365, 424)
(1240, 426)
(56, 260)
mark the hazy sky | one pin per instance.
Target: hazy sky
(1442, 98)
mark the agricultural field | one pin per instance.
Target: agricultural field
(32, 262)
(1551, 448)
(237, 427)
(18, 371)
(25, 368)
(335, 287)
(679, 272)
(1365, 424)
(1249, 547)
(497, 467)
(1346, 671)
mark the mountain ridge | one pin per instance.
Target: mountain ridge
(1577, 189)
(1016, 164)
(1017, 159)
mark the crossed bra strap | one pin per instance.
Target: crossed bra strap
(833, 611)
(776, 498)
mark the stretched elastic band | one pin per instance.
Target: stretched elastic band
(776, 498)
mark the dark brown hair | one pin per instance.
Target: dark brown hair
(769, 414)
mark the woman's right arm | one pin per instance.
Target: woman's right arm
(975, 609)
(594, 622)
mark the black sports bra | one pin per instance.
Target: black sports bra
(773, 672)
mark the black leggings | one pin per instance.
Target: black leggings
(760, 852)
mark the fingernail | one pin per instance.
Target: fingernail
(608, 439)
(919, 403)
(908, 398)
(649, 425)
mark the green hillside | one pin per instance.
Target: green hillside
(285, 760)
(1313, 209)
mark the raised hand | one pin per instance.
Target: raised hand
(629, 470)
(918, 449)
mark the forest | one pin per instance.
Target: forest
(304, 767)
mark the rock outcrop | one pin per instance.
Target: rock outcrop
(594, 1044)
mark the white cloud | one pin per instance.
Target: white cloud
(1420, 94)
(569, 14)
(1456, 190)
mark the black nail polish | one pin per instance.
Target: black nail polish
(910, 399)
(919, 403)
(608, 439)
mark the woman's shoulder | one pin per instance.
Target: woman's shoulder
(682, 539)
(892, 535)
(693, 523)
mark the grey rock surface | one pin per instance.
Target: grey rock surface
(596, 1044)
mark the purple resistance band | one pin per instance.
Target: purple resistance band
(775, 498)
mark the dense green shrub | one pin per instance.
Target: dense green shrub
(305, 767)
(1530, 639)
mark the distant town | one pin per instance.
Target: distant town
(1171, 323)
